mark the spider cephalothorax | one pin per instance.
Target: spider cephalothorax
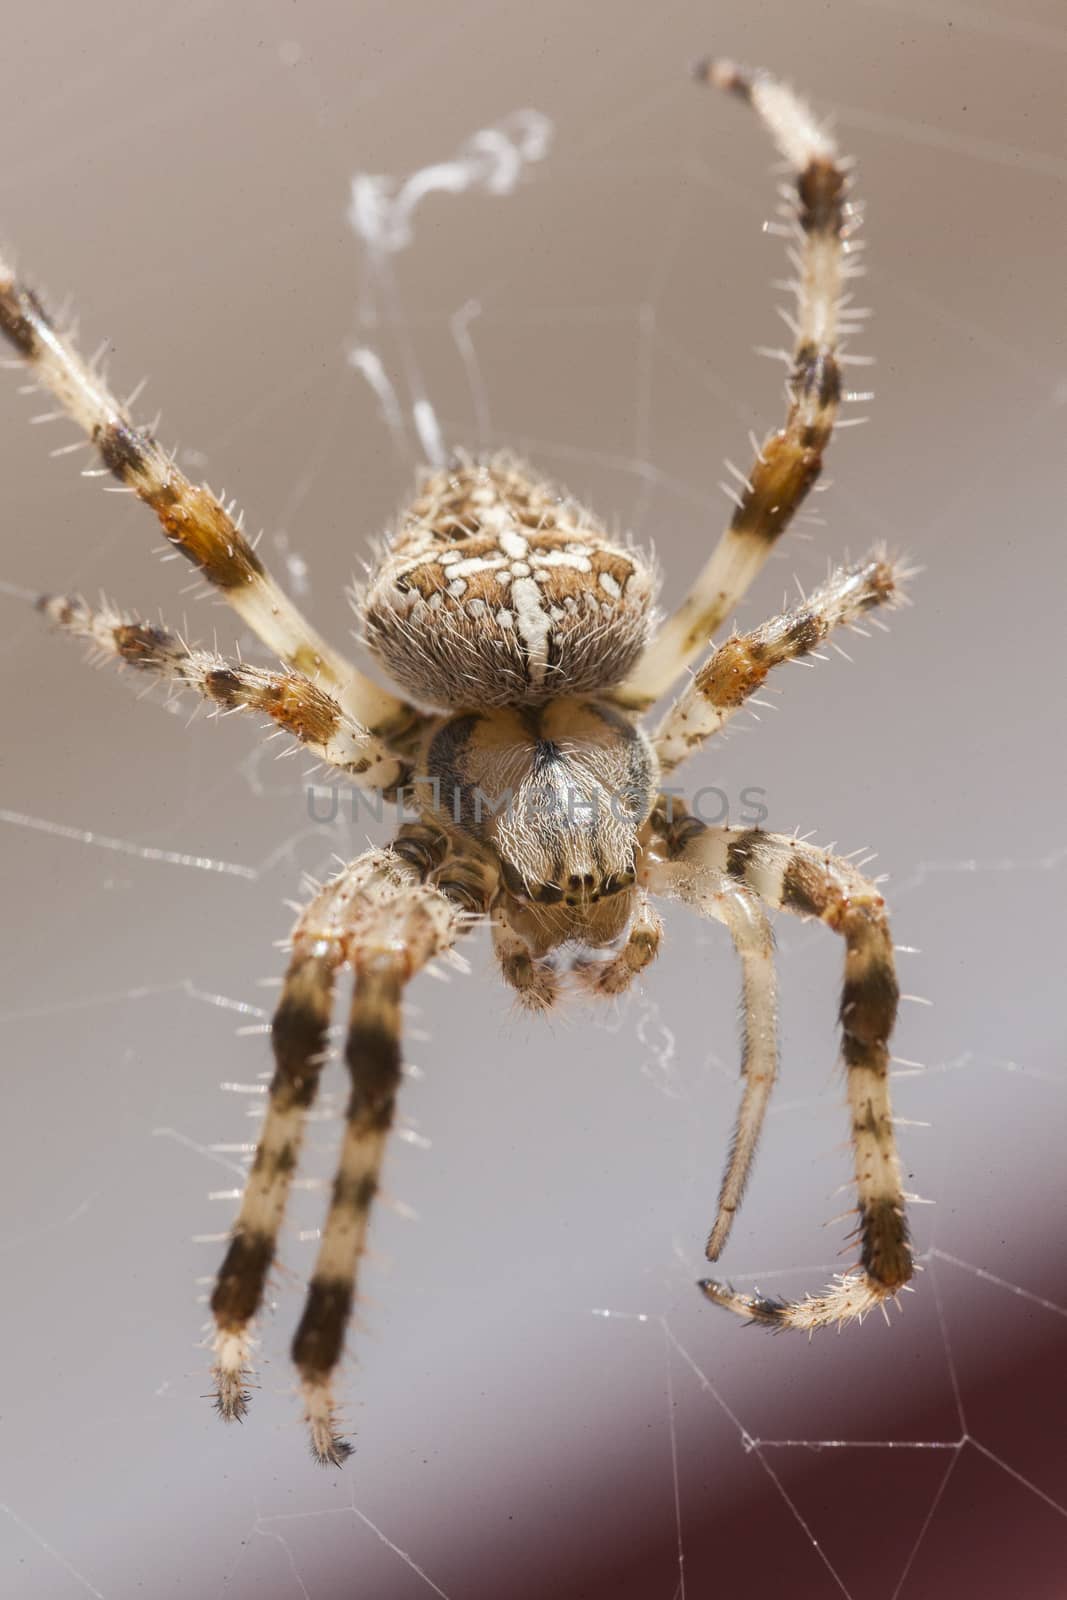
(556, 795)
(559, 791)
(526, 638)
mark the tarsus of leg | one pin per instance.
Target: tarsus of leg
(194, 521)
(300, 707)
(790, 459)
(740, 665)
(742, 914)
(801, 879)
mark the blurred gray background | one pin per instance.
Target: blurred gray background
(184, 173)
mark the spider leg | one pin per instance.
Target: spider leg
(379, 917)
(733, 672)
(789, 461)
(638, 952)
(298, 1035)
(194, 521)
(296, 704)
(389, 932)
(798, 878)
(534, 978)
(739, 909)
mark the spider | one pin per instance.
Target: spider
(502, 606)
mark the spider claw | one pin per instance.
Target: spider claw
(231, 1397)
(766, 1310)
(328, 1446)
(230, 1372)
(333, 1451)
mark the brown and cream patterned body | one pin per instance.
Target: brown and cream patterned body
(525, 637)
(497, 590)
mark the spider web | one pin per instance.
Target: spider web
(565, 259)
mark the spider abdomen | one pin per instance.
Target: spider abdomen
(499, 591)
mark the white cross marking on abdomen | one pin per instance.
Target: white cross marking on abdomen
(522, 571)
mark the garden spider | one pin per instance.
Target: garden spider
(503, 604)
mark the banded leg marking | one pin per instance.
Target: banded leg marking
(194, 521)
(789, 461)
(379, 917)
(734, 672)
(300, 707)
(298, 1034)
(373, 1057)
(387, 924)
(808, 882)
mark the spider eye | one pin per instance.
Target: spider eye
(584, 888)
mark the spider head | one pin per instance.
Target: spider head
(559, 793)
